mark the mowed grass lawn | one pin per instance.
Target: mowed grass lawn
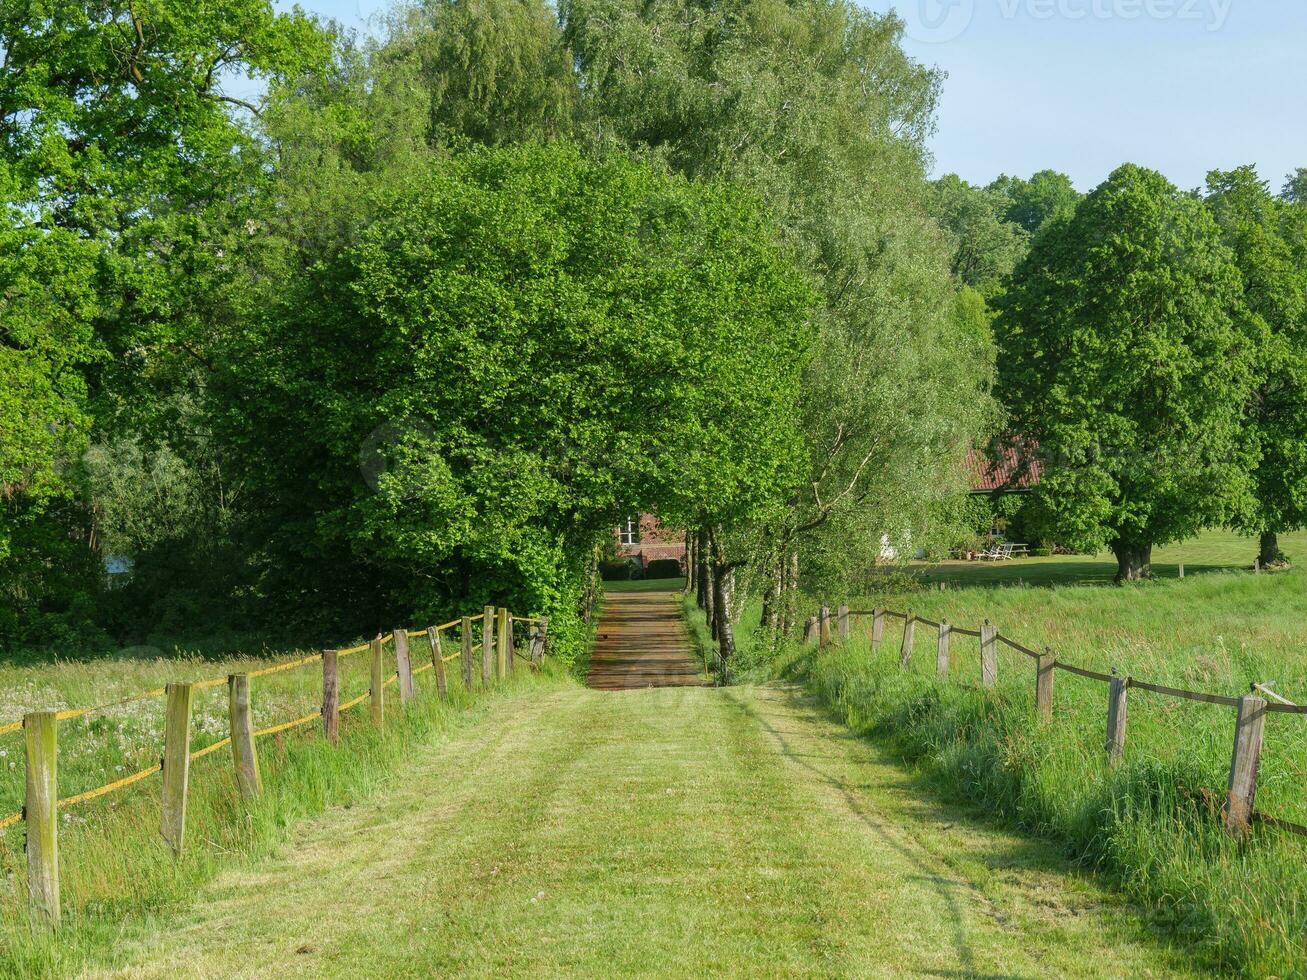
(672, 832)
(1153, 822)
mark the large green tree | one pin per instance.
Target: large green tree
(122, 158)
(1125, 352)
(1268, 238)
(515, 347)
(814, 105)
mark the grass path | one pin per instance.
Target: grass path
(674, 831)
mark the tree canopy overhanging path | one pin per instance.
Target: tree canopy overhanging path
(667, 831)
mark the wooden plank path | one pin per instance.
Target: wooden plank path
(642, 642)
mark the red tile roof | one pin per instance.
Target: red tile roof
(1005, 471)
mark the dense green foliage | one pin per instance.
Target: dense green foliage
(1126, 354)
(513, 351)
(1269, 241)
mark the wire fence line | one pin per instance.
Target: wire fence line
(498, 655)
(1239, 815)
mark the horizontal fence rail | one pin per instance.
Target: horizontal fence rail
(40, 810)
(1251, 709)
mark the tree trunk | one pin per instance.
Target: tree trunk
(1133, 561)
(591, 572)
(772, 597)
(703, 594)
(690, 563)
(789, 608)
(1269, 551)
(725, 631)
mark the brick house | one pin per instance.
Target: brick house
(643, 539)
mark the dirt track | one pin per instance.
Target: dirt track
(642, 642)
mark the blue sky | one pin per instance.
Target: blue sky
(1081, 86)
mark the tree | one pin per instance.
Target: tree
(1031, 203)
(986, 244)
(122, 159)
(1125, 353)
(815, 106)
(1295, 187)
(1268, 238)
(517, 347)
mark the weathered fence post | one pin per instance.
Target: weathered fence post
(810, 630)
(378, 684)
(877, 628)
(505, 644)
(243, 755)
(176, 765)
(487, 645)
(403, 666)
(941, 654)
(438, 663)
(1182, 569)
(823, 625)
(909, 635)
(330, 696)
(844, 623)
(538, 654)
(1249, 727)
(1044, 684)
(1117, 689)
(1257, 566)
(465, 652)
(41, 812)
(988, 654)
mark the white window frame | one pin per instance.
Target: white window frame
(628, 532)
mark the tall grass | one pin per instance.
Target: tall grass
(1151, 824)
(113, 863)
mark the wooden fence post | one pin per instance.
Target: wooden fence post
(1257, 566)
(877, 628)
(465, 652)
(1117, 689)
(988, 655)
(538, 645)
(330, 696)
(243, 754)
(1044, 684)
(823, 626)
(176, 765)
(1249, 727)
(909, 635)
(844, 624)
(438, 663)
(503, 645)
(41, 812)
(941, 654)
(487, 645)
(378, 684)
(403, 666)
(810, 630)
(1182, 569)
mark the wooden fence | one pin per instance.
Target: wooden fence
(1250, 709)
(41, 730)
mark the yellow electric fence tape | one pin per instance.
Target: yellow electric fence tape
(280, 667)
(288, 724)
(91, 794)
